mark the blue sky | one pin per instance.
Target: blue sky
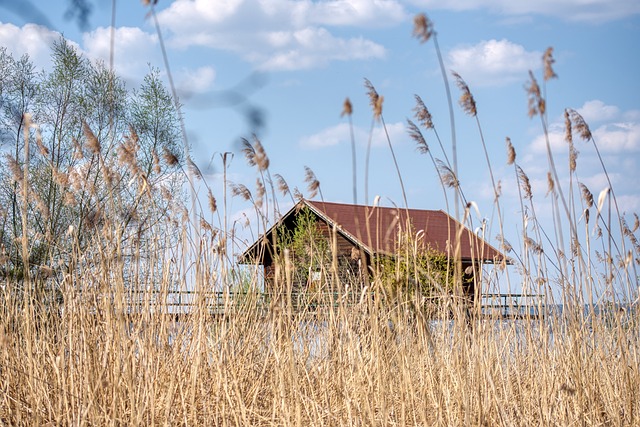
(296, 61)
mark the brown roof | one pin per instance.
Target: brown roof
(436, 228)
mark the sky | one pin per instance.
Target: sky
(281, 69)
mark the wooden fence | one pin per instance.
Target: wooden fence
(506, 306)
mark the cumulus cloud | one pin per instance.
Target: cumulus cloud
(312, 47)
(598, 182)
(133, 49)
(618, 132)
(618, 143)
(33, 40)
(597, 111)
(618, 137)
(327, 137)
(355, 12)
(280, 34)
(195, 81)
(493, 62)
(340, 134)
(595, 11)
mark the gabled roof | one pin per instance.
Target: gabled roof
(437, 230)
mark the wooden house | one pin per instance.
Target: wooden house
(357, 233)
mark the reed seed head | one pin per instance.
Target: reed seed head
(312, 182)
(533, 245)
(193, 168)
(422, 28)
(573, 157)
(249, 152)
(61, 178)
(447, 176)
(536, 102)
(213, 205)
(504, 243)
(261, 155)
(377, 110)
(347, 108)
(625, 227)
(422, 113)
(44, 151)
(92, 140)
(260, 192)
(240, 190)
(524, 183)
(511, 152)
(283, 187)
(204, 224)
(587, 196)
(416, 135)
(568, 135)
(547, 60)
(133, 135)
(255, 153)
(580, 125)
(467, 102)
(169, 157)
(166, 194)
(77, 149)
(15, 168)
(371, 93)
(155, 161)
(598, 233)
(550, 183)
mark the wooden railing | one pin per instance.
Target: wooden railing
(185, 302)
(216, 303)
(513, 305)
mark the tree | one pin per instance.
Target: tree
(309, 250)
(95, 162)
(417, 272)
(18, 90)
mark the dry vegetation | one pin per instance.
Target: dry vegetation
(72, 352)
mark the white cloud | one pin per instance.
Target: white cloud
(570, 10)
(31, 39)
(598, 182)
(133, 49)
(493, 62)
(597, 111)
(340, 134)
(312, 47)
(618, 143)
(618, 137)
(612, 136)
(195, 81)
(327, 137)
(356, 12)
(280, 34)
(631, 115)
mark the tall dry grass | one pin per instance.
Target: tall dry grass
(91, 344)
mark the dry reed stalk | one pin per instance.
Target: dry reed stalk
(313, 185)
